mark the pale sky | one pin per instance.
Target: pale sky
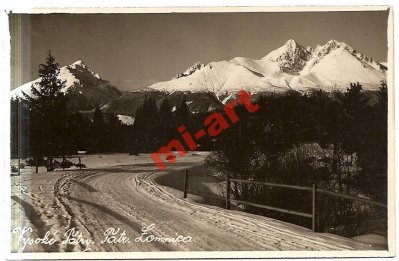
(133, 51)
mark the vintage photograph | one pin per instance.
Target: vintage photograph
(201, 130)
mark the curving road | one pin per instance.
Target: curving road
(125, 198)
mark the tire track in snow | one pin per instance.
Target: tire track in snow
(128, 199)
(303, 239)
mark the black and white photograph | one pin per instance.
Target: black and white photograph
(244, 131)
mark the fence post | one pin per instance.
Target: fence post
(37, 164)
(314, 208)
(228, 192)
(19, 165)
(185, 184)
(80, 163)
(63, 162)
(51, 164)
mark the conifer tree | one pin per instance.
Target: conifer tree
(145, 131)
(166, 122)
(48, 112)
(373, 153)
(182, 112)
(98, 129)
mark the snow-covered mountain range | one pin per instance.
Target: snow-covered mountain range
(84, 87)
(332, 66)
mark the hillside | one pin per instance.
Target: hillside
(84, 87)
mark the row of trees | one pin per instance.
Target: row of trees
(155, 126)
(93, 132)
(336, 140)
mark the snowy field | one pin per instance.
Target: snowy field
(118, 191)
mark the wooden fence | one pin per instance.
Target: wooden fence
(51, 163)
(62, 163)
(314, 190)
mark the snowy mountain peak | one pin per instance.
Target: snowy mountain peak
(85, 88)
(329, 46)
(190, 70)
(80, 65)
(291, 44)
(333, 65)
(291, 57)
(334, 46)
(70, 74)
(333, 42)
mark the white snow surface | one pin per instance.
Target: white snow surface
(111, 193)
(292, 66)
(125, 119)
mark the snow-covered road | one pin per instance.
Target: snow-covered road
(125, 198)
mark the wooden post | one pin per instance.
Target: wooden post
(228, 192)
(51, 164)
(19, 121)
(37, 164)
(19, 165)
(185, 184)
(314, 208)
(63, 162)
(80, 163)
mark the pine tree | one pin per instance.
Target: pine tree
(19, 122)
(166, 122)
(354, 101)
(182, 112)
(98, 128)
(373, 154)
(114, 134)
(48, 112)
(79, 132)
(151, 125)
(165, 112)
(145, 131)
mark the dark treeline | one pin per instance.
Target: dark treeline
(335, 140)
(93, 132)
(156, 125)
